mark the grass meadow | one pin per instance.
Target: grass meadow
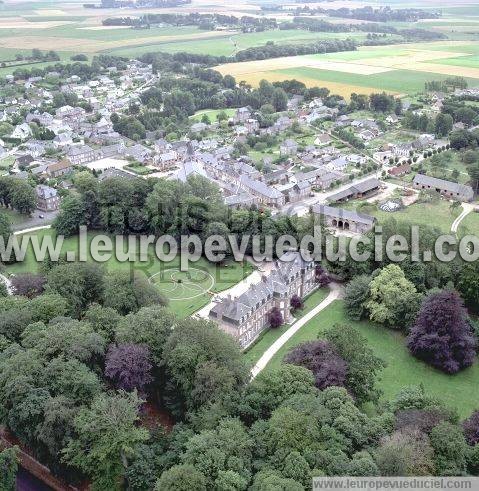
(457, 391)
(437, 214)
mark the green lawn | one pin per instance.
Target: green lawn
(457, 391)
(7, 162)
(254, 353)
(438, 214)
(442, 166)
(223, 277)
(212, 113)
(470, 225)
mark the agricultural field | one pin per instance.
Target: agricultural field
(399, 69)
(456, 391)
(187, 292)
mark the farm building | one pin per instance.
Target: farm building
(344, 219)
(361, 190)
(400, 170)
(449, 189)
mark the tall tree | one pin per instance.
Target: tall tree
(128, 365)
(127, 293)
(394, 300)
(8, 468)
(442, 335)
(356, 295)
(105, 435)
(363, 364)
(471, 428)
(320, 357)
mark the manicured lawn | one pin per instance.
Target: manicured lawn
(254, 353)
(212, 113)
(457, 391)
(470, 225)
(438, 214)
(221, 276)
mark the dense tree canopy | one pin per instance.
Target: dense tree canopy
(442, 335)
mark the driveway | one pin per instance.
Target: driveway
(334, 294)
(466, 209)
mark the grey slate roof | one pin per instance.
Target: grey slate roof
(453, 187)
(331, 211)
(260, 187)
(360, 188)
(276, 284)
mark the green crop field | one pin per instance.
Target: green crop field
(229, 44)
(400, 81)
(467, 61)
(457, 391)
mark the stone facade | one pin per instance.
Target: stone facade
(247, 316)
(449, 189)
(341, 219)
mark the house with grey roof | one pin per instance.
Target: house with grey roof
(453, 190)
(288, 148)
(81, 154)
(294, 192)
(47, 198)
(188, 169)
(341, 219)
(138, 152)
(247, 316)
(321, 177)
(242, 115)
(265, 194)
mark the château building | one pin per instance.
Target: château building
(246, 316)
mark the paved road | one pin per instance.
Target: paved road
(334, 294)
(36, 221)
(32, 229)
(467, 208)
